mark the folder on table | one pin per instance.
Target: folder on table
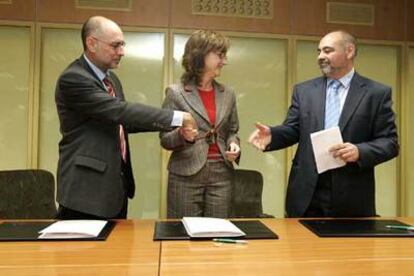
(29, 231)
(174, 230)
(356, 227)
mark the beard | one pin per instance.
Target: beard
(325, 67)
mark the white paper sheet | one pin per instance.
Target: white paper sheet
(73, 229)
(210, 227)
(321, 142)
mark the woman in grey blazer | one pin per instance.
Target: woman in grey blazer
(201, 164)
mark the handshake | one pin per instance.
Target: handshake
(189, 128)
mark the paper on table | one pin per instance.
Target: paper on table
(321, 142)
(204, 227)
(73, 229)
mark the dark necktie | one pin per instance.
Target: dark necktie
(122, 141)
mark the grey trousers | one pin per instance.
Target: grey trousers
(208, 193)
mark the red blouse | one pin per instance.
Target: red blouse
(209, 101)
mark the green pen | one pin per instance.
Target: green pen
(402, 227)
(230, 241)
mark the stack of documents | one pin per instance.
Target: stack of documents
(321, 142)
(203, 227)
(73, 229)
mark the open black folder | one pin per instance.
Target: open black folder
(174, 230)
(356, 228)
(29, 231)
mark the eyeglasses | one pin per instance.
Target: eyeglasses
(114, 45)
(221, 55)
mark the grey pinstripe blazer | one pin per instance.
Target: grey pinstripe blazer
(188, 158)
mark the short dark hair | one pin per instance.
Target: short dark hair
(199, 44)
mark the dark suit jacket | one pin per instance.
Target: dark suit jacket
(188, 158)
(367, 121)
(89, 168)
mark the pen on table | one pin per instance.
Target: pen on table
(402, 227)
(230, 241)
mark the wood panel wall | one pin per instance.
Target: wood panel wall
(17, 10)
(410, 20)
(145, 13)
(310, 19)
(181, 17)
(394, 20)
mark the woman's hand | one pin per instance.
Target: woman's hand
(188, 133)
(233, 153)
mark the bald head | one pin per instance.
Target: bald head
(97, 26)
(343, 39)
(103, 42)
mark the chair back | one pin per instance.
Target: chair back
(247, 199)
(27, 194)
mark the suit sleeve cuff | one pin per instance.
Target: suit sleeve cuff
(177, 119)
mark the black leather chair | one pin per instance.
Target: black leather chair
(247, 198)
(27, 194)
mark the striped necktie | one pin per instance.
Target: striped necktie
(333, 104)
(111, 91)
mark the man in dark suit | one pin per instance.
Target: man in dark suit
(94, 177)
(365, 119)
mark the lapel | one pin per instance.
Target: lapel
(192, 97)
(221, 102)
(85, 65)
(355, 94)
(318, 106)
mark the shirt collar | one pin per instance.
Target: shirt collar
(101, 75)
(345, 80)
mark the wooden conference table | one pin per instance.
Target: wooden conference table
(129, 250)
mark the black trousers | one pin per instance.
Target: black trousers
(321, 203)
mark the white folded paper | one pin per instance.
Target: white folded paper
(321, 142)
(204, 227)
(73, 229)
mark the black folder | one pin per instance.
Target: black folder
(356, 228)
(29, 231)
(174, 230)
